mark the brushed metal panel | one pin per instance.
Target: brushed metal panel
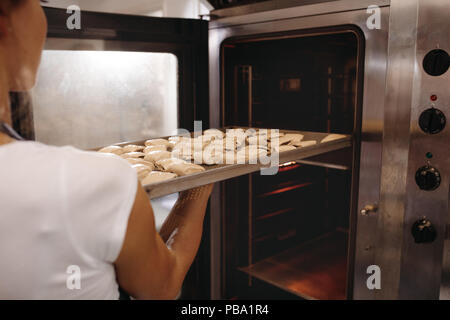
(274, 11)
(422, 263)
(399, 85)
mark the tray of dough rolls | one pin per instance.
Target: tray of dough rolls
(173, 164)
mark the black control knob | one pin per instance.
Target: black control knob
(432, 121)
(423, 231)
(428, 178)
(436, 62)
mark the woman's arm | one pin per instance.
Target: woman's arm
(190, 203)
(147, 268)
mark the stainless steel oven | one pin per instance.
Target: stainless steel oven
(315, 229)
(324, 227)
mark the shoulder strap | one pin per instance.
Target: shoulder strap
(6, 128)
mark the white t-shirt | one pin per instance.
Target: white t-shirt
(63, 219)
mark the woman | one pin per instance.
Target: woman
(75, 224)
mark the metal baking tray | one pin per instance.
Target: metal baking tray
(217, 173)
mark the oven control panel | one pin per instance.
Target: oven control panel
(426, 218)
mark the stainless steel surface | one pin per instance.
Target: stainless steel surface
(410, 270)
(338, 13)
(401, 60)
(275, 10)
(421, 265)
(262, 6)
(223, 172)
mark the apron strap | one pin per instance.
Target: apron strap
(6, 128)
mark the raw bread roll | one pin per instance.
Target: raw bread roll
(213, 153)
(133, 155)
(270, 133)
(296, 138)
(173, 141)
(157, 142)
(183, 169)
(157, 176)
(235, 131)
(251, 132)
(197, 157)
(155, 148)
(333, 137)
(142, 170)
(157, 155)
(208, 139)
(237, 135)
(183, 150)
(177, 139)
(285, 148)
(134, 161)
(200, 142)
(260, 140)
(234, 142)
(164, 164)
(250, 154)
(217, 145)
(112, 149)
(288, 137)
(133, 148)
(216, 133)
(303, 144)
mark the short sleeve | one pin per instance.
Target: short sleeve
(98, 193)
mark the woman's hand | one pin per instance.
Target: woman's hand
(196, 194)
(192, 203)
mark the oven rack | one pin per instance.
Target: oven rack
(315, 270)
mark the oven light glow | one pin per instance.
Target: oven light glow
(287, 164)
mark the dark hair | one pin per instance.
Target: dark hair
(17, 2)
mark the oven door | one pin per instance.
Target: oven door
(365, 184)
(120, 78)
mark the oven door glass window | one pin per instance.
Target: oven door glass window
(90, 99)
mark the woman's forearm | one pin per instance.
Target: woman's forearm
(182, 230)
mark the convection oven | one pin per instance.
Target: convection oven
(327, 227)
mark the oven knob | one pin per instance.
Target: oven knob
(428, 178)
(423, 231)
(436, 62)
(432, 121)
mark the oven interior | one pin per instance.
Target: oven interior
(290, 235)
